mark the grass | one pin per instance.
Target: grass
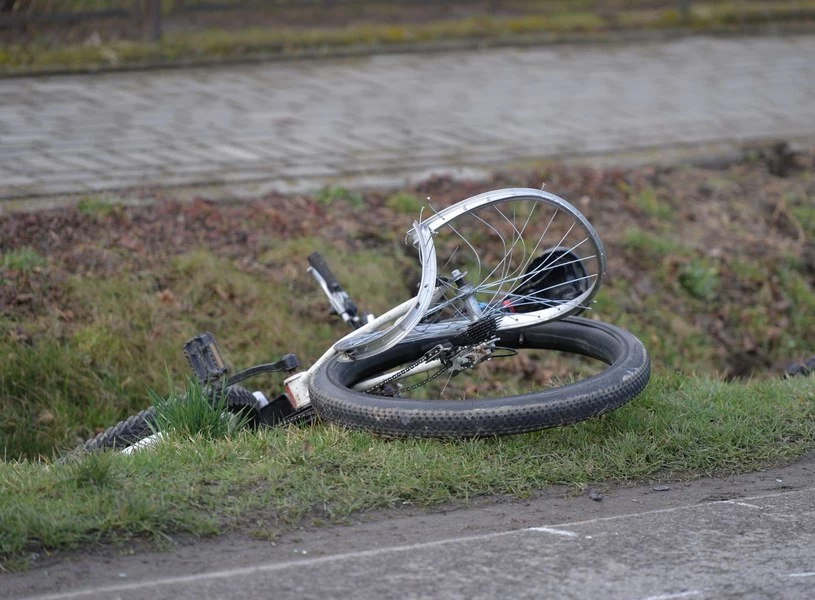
(194, 414)
(24, 260)
(216, 44)
(404, 203)
(682, 427)
(699, 279)
(91, 322)
(99, 206)
(329, 195)
(74, 375)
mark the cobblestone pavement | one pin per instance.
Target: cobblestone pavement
(396, 113)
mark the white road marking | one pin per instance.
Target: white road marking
(676, 595)
(812, 574)
(741, 504)
(278, 566)
(562, 532)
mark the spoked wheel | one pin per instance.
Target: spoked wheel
(524, 254)
(504, 386)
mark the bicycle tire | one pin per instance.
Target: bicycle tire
(124, 433)
(625, 377)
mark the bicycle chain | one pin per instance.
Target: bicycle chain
(301, 416)
(431, 354)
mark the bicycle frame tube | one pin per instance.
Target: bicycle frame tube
(297, 384)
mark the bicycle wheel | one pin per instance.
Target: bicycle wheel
(524, 254)
(475, 403)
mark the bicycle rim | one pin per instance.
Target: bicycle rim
(525, 254)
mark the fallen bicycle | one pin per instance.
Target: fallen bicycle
(503, 274)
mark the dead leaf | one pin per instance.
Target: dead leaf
(44, 418)
(166, 296)
(222, 293)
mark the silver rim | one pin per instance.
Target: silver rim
(392, 332)
(524, 253)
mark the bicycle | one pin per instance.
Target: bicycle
(503, 273)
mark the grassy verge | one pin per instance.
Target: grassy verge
(712, 269)
(218, 44)
(681, 427)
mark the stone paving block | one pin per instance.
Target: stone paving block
(234, 152)
(308, 170)
(320, 118)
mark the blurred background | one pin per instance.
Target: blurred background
(241, 27)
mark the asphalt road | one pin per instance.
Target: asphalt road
(753, 547)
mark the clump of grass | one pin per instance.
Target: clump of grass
(24, 260)
(652, 245)
(648, 202)
(699, 279)
(404, 203)
(99, 206)
(333, 194)
(96, 470)
(197, 412)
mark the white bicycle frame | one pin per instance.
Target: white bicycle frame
(297, 384)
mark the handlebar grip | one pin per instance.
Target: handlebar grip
(318, 263)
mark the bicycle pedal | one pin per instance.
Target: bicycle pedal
(205, 358)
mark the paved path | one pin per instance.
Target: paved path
(398, 113)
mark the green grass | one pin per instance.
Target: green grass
(215, 44)
(699, 279)
(330, 195)
(24, 260)
(652, 244)
(195, 413)
(404, 203)
(99, 206)
(681, 427)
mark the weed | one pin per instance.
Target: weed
(196, 413)
(99, 206)
(24, 260)
(404, 203)
(330, 195)
(699, 279)
(650, 245)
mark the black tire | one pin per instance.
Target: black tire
(627, 374)
(124, 433)
(139, 426)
